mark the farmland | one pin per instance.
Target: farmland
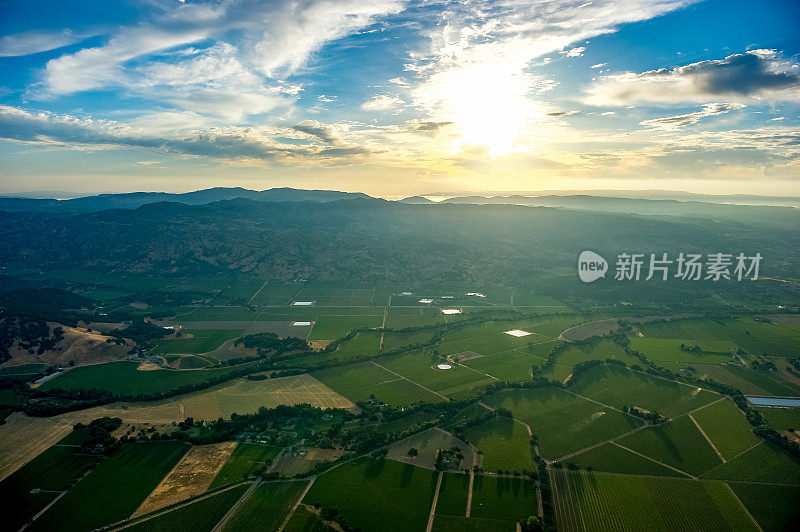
(609, 469)
(504, 444)
(267, 506)
(246, 460)
(100, 498)
(563, 422)
(620, 387)
(376, 494)
(678, 443)
(598, 501)
(202, 515)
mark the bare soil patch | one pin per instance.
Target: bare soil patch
(463, 355)
(427, 444)
(191, 476)
(23, 438)
(301, 460)
(78, 346)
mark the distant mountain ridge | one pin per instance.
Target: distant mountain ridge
(134, 200)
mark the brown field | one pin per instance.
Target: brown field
(289, 466)
(191, 476)
(462, 356)
(428, 443)
(23, 438)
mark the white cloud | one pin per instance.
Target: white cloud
(34, 42)
(382, 102)
(476, 72)
(598, 65)
(739, 77)
(574, 52)
(273, 38)
(679, 121)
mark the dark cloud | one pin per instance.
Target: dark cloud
(430, 126)
(321, 131)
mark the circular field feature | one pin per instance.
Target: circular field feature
(444, 366)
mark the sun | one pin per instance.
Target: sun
(487, 102)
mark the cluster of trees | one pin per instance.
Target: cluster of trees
(651, 416)
(267, 343)
(96, 437)
(29, 333)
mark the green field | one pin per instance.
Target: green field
(601, 501)
(782, 418)
(267, 506)
(611, 458)
(505, 444)
(727, 428)
(358, 382)
(201, 341)
(678, 443)
(747, 380)
(619, 387)
(601, 350)
(247, 459)
(451, 523)
(453, 495)
(304, 520)
(762, 463)
(53, 471)
(666, 351)
(514, 365)
(563, 422)
(774, 507)
(115, 489)
(376, 494)
(200, 516)
(333, 327)
(122, 378)
(420, 368)
(507, 499)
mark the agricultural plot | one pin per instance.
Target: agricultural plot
(762, 463)
(503, 498)
(601, 350)
(489, 338)
(190, 477)
(267, 506)
(421, 369)
(612, 458)
(51, 472)
(22, 438)
(246, 460)
(305, 520)
(377, 494)
(747, 380)
(115, 489)
(240, 289)
(451, 523)
(187, 315)
(512, 366)
(667, 351)
(333, 327)
(504, 444)
(427, 444)
(619, 387)
(123, 378)
(402, 317)
(588, 329)
(528, 298)
(196, 341)
(753, 336)
(302, 460)
(727, 428)
(563, 422)
(200, 516)
(600, 501)
(782, 418)
(393, 340)
(365, 343)
(453, 495)
(360, 381)
(774, 507)
(678, 443)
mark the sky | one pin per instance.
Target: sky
(400, 97)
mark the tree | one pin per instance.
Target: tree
(412, 452)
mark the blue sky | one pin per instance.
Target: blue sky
(395, 97)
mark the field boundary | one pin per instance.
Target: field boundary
(711, 443)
